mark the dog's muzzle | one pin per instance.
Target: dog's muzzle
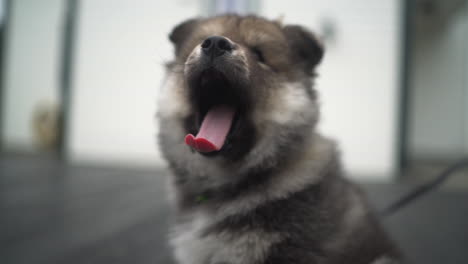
(213, 92)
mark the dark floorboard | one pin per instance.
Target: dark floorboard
(53, 213)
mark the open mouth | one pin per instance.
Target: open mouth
(219, 109)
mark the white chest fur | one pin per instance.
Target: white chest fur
(193, 247)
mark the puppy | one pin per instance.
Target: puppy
(252, 181)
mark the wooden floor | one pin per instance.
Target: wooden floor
(54, 213)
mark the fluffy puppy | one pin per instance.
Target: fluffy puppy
(252, 181)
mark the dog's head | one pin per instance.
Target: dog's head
(240, 89)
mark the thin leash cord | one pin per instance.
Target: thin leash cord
(426, 187)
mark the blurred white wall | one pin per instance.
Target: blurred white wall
(121, 48)
(359, 77)
(122, 45)
(439, 83)
(31, 72)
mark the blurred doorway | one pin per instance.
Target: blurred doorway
(437, 128)
(4, 11)
(36, 66)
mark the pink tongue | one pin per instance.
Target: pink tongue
(213, 131)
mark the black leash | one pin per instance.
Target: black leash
(425, 188)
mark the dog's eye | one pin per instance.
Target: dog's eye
(258, 54)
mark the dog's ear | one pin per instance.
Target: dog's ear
(180, 33)
(304, 45)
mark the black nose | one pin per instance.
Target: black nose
(216, 46)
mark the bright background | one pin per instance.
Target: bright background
(120, 47)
